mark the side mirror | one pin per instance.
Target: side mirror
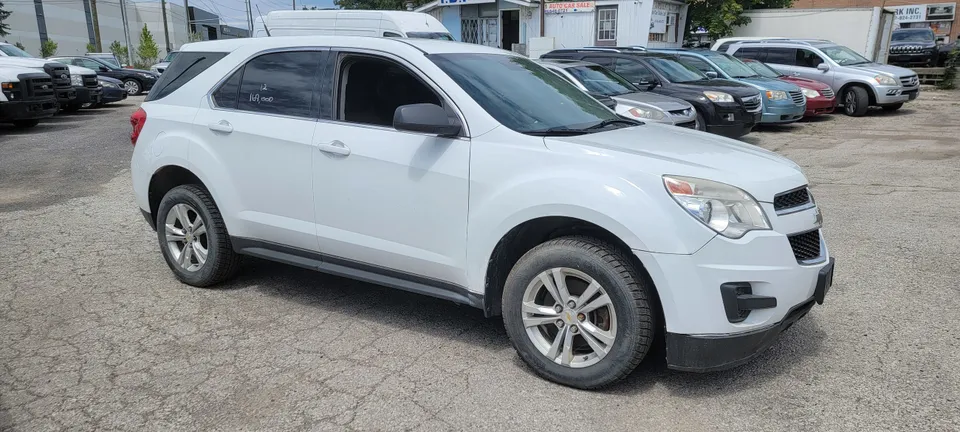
(104, 69)
(425, 118)
(712, 74)
(823, 67)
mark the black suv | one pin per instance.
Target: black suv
(135, 81)
(727, 108)
(913, 46)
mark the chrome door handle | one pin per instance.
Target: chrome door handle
(334, 147)
(221, 126)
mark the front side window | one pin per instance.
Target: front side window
(599, 80)
(634, 71)
(807, 58)
(283, 83)
(607, 23)
(842, 55)
(372, 88)
(674, 71)
(515, 91)
(90, 64)
(731, 66)
(698, 64)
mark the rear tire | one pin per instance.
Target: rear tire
(193, 237)
(892, 107)
(622, 329)
(856, 101)
(25, 124)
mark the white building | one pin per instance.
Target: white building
(69, 23)
(503, 23)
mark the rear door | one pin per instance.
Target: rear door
(781, 59)
(259, 122)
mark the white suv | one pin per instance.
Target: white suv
(475, 175)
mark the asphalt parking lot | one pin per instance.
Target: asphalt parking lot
(95, 333)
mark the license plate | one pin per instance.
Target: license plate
(824, 281)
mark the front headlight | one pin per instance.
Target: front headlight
(776, 95)
(719, 97)
(146, 75)
(106, 84)
(76, 80)
(885, 80)
(646, 113)
(810, 93)
(726, 209)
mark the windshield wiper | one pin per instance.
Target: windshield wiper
(608, 122)
(557, 131)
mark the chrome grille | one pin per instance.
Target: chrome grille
(791, 199)
(905, 49)
(752, 103)
(798, 97)
(806, 246)
(910, 81)
(827, 93)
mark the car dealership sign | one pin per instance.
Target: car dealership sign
(924, 12)
(569, 7)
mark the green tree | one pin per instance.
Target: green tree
(4, 16)
(949, 81)
(48, 48)
(378, 4)
(194, 37)
(119, 50)
(148, 51)
(719, 17)
(91, 47)
(20, 45)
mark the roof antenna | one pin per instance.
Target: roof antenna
(267, 29)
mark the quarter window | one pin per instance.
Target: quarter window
(282, 83)
(391, 34)
(607, 23)
(227, 95)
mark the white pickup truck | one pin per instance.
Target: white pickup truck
(26, 96)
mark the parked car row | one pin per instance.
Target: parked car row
(34, 89)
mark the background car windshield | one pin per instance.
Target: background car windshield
(919, 35)
(675, 71)
(106, 63)
(731, 65)
(111, 63)
(430, 35)
(598, 79)
(521, 94)
(13, 51)
(844, 56)
(169, 58)
(762, 69)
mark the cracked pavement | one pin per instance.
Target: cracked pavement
(96, 334)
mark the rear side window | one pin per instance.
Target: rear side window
(783, 56)
(282, 83)
(748, 53)
(723, 47)
(184, 68)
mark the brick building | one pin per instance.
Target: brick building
(941, 17)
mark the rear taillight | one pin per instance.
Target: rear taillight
(137, 120)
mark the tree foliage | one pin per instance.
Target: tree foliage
(719, 17)
(4, 17)
(378, 4)
(20, 45)
(91, 47)
(119, 50)
(48, 48)
(148, 51)
(194, 37)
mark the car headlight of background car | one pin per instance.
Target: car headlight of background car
(719, 97)
(76, 80)
(885, 80)
(107, 84)
(776, 95)
(810, 93)
(147, 76)
(646, 113)
(726, 209)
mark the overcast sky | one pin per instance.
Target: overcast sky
(233, 12)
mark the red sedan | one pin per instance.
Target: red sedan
(820, 97)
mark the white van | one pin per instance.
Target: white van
(351, 23)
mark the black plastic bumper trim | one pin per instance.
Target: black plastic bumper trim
(738, 297)
(149, 218)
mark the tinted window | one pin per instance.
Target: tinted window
(602, 61)
(783, 56)
(807, 58)
(391, 34)
(674, 71)
(227, 95)
(697, 63)
(430, 35)
(634, 71)
(280, 83)
(723, 47)
(748, 53)
(183, 69)
(598, 79)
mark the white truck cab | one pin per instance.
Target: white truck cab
(26, 96)
(375, 23)
(475, 175)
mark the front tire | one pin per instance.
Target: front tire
(893, 107)
(132, 86)
(25, 124)
(578, 312)
(701, 123)
(856, 101)
(194, 238)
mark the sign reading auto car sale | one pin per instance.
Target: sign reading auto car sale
(569, 7)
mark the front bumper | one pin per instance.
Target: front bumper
(914, 58)
(111, 94)
(66, 95)
(820, 105)
(887, 95)
(88, 95)
(27, 110)
(779, 114)
(732, 122)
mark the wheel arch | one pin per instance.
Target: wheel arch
(871, 92)
(166, 178)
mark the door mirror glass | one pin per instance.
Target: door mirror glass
(425, 118)
(711, 74)
(823, 67)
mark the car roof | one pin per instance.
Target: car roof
(427, 46)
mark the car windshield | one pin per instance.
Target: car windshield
(525, 96)
(732, 66)
(430, 35)
(169, 58)
(598, 79)
(919, 35)
(13, 51)
(675, 71)
(844, 56)
(762, 69)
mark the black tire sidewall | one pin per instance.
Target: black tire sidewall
(25, 124)
(632, 334)
(863, 101)
(185, 195)
(701, 122)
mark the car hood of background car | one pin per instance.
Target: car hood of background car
(660, 149)
(38, 64)
(665, 103)
(110, 80)
(133, 71)
(719, 84)
(805, 83)
(884, 68)
(922, 44)
(763, 83)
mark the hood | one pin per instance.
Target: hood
(110, 80)
(875, 68)
(665, 103)
(733, 87)
(804, 82)
(770, 84)
(33, 63)
(77, 70)
(921, 44)
(659, 149)
(11, 72)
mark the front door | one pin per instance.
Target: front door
(388, 200)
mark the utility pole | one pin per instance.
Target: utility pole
(96, 26)
(294, 4)
(249, 17)
(126, 31)
(186, 9)
(166, 32)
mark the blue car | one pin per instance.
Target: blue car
(782, 102)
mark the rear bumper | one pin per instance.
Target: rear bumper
(27, 110)
(820, 105)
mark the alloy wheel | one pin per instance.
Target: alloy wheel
(132, 87)
(850, 102)
(569, 317)
(186, 237)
